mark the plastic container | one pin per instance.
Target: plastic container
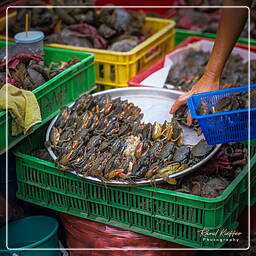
(139, 78)
(116, 68)
(34, 41)
(61, 90)
(31, 232)
(157, 212)
(183, 34)
(226, 126)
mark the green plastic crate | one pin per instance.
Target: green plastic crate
(156, 212)
(182, 34)
(61, 90)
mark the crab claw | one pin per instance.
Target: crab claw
(114, 173)
(157, 131)
(66, 158)
(108, 109)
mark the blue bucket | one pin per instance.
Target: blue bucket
(31, 232)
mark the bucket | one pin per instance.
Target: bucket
(30, 232)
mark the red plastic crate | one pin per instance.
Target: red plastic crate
(135, 81)
(166, 12)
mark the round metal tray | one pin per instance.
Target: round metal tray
(155, 104)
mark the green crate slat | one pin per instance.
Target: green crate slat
(157, 212)
(61, 90)
(182, 34)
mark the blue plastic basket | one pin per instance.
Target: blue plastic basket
(226, 126)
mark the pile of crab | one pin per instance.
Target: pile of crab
(105, 138)
(184, 74)
(27, 71)
(234, 101)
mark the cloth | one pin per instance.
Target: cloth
(23, 107)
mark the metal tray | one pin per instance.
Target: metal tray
(155, 104)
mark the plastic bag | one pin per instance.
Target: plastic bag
(83, 233)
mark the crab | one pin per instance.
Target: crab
(200, 150)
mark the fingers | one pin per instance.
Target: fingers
(179, 102)
(189, 119)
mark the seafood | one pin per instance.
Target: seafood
(142, 148)
(152, 170)
(27, 72)
(111, 28)
(101, 137)
(168, 151)
(185, 74)
(181, 117)
(206, 20)
(200, 150)
(209, 181)
(94, 141)
(124, 45)
(131, 145)
(157, 131)
(168, 131)
(177, 133)
(214, 186)
(106, 31)
(168, 170)
(85, 34)
(63, 118)
(115, 29)
(156, 148)
(234, 101)
(212, 179)
(42, 19)
(54, 136)
(147, 131)
(182, 154)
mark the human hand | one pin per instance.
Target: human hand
(206, 83)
